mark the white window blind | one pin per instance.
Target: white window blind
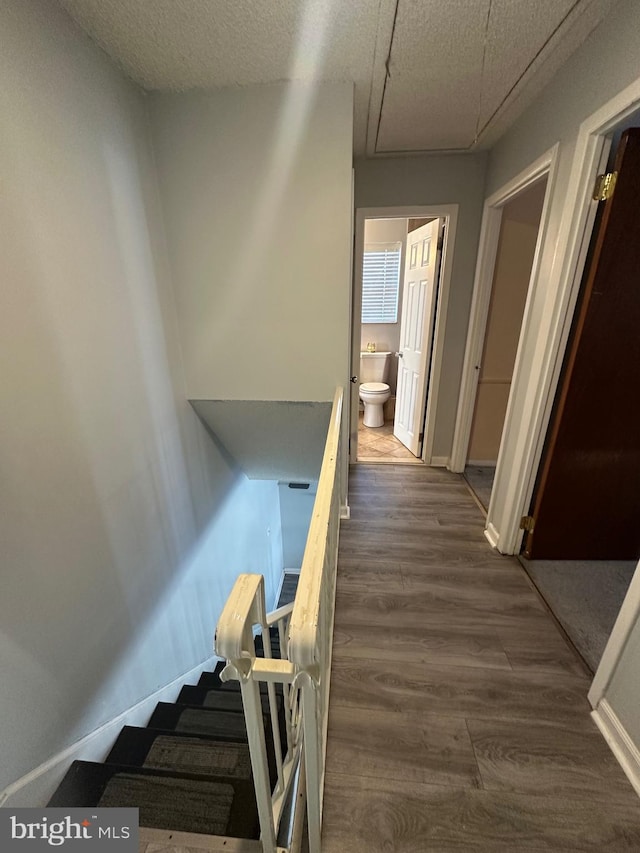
(381, 282)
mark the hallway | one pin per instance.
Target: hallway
(459, 717)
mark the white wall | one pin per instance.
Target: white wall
(605, 64)
(256, 185)
(438, 179)
(296, 508)
(121, 525)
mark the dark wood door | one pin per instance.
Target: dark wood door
(587, 499)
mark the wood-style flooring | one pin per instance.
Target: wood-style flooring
(459, 718)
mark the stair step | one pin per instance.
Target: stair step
(186, 753)
(177, 801)
(224, 725)
(221, 700)
(275, 643)
(180, 753)
(231, 700)
(211, 680)
(167, 841)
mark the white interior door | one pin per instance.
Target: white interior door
(416, 333)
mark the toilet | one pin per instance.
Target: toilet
(374, 391)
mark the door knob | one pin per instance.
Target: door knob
(354, 379)
(400, 355)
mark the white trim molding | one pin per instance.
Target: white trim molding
(36, 788)
(439, 462)
(483, 285)
(619, 742)
(626, 619)
(491, 535)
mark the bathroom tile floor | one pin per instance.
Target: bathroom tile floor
(378, 444)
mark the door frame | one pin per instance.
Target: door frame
(592, 152)
(482, 289)
(542, 348)
(449, 212)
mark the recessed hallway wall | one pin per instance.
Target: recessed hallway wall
(514, 260)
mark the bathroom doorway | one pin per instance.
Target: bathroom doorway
(379, 278)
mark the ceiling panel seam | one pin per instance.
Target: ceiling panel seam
(538, 54)
(482, 70)
(387, 74)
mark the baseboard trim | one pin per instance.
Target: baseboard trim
(491, 535)
(482, 463)
(439, 461)
(36, 788)
(620, 743)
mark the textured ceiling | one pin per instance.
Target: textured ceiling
(429, 75)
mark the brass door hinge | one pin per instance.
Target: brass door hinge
(604, 186)
(527, 523)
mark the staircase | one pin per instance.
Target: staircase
(188, 770)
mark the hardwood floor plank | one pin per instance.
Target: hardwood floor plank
(375, 816)
(376, 744)
(423, 644)
(428, 527)
(376, 548)
(414, 689)
(437, 605)
(500, 578)
(528, 758)
(545, 651)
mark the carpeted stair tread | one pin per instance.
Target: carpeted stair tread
(211, 680)
(196, 756)
(228, 725)
(275, 643)
(166, 800)
(176, 804)
(221, 700)
(181, 753)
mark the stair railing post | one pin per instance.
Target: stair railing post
(245, 607)
(312, 760)
(258, 752)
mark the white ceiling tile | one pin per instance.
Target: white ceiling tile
(419, 117)
(432, 94)
(517, 33)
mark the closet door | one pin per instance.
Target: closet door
(587, 499)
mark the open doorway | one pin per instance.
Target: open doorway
(383, 268)
(581, 542)
(517, 241)
(402, 276)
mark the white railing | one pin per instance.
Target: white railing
(304, 668)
